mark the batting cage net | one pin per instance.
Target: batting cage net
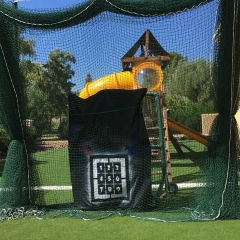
(118, 107)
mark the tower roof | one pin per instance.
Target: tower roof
(151, 44)
(150, 50)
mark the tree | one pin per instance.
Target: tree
(39, 108)
(55, 82)
(191, 80)
(26, 47)
(176, 59)
(187, 112)
(188, 90)
(47, 87)
(32, 72)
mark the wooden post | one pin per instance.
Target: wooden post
(146, 43)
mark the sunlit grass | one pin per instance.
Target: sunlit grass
(118, 228)
(53, 170)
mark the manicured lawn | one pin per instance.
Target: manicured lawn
(187, 169)
(53, 169)
(117, 228)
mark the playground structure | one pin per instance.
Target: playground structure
(145, 71)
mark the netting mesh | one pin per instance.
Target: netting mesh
(120, 107)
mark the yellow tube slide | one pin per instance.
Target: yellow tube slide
(187, 131)
(122, 80)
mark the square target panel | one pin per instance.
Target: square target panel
(109, 177)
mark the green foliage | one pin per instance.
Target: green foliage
(4, 140)
(47, 87)
(26, 47)
(63, 129)
(55, 123)
(175, 102)
(176, 59)
(187, 112)
(38, 108)
(32, 72)
(188, 90)
(55, 80)
(31, 135)
(190, 79)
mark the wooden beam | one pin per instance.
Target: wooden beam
(142, 59)
(146, 43)
(175, 143)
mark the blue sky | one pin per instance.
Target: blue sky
(111, 36)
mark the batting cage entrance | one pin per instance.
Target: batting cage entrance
(114, 107)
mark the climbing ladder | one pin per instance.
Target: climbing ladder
(171, 187)
(166, 142)
(157, 127)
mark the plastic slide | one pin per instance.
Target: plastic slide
(187, 131)
(122, 80)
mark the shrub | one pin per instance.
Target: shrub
(4, 141)
(63, 129)
(188, 112)
(31, 135)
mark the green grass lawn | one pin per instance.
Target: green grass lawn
(117, 228)
(53, 170)
(49, 135)
(53, 167)
(187, 169)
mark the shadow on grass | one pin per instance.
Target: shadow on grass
(184, 197)
(186, 177)
(37, 162)
(189, 167)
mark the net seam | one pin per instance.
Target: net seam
(214, 38)
(163, 14)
